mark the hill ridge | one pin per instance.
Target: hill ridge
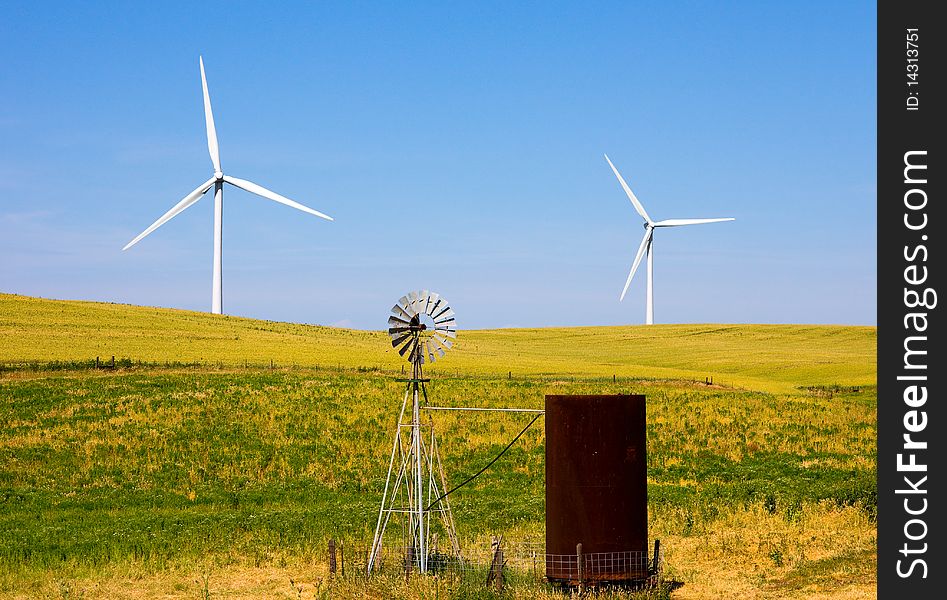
(778, 357)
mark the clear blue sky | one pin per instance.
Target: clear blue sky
(459, 149)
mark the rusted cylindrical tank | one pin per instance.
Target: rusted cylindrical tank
(596, 488)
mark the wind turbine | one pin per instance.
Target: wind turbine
(217, 182)
(647, 241)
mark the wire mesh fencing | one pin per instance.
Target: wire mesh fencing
(523, 562)
(598, 566)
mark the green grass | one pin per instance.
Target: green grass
(156, 469)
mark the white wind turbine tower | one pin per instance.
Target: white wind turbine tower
(646, 242)
(217, 182)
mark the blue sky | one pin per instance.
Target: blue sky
(459, 149)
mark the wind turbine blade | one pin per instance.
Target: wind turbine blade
(679, 222)
(180, 206)
(631, 194)
(209, 118)
(262, 191)
(634, 267)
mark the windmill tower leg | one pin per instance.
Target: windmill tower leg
(391, 489)
(649, 316)
(421, 551)
(217, 304)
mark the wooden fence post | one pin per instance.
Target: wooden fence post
(332, 564)
(495, 576)
(658, 567)
(579, 567)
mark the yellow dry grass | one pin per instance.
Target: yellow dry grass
(752, 554)
(771, 358)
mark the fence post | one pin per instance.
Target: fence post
(495, 576)
(342, 557)
(579, 567)
(498, 565)
(96, 362)
(408, 562)
(658, 568)
(332, 565)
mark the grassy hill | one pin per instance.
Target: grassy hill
(764, 357)
(226, 477)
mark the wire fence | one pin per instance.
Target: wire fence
(522, 562)
(379, 370)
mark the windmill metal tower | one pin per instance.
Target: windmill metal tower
(422, 327)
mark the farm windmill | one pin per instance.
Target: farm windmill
(217, 182)
(647, 242)
(422, 327)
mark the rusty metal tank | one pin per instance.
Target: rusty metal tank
(596, 488)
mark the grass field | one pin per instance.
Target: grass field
(198, 470)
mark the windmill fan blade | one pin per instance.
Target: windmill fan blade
(209, 118)
(679, 222)
(405, 306)
(444, 313)
(432, 301)
(397, 311)
(407, 346)
(634, 267)
(630, 194)
(408, 304)
(178, 208)
(443, 341)
(270, 195)
(445, 331)
(396, 341)
(420, 302)
(398, 322)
